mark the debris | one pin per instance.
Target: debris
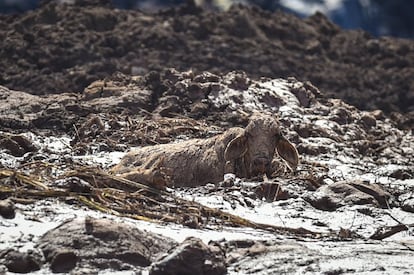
(7, 209)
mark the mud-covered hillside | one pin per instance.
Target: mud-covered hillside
(81, 85)
(61, 48)
(351, 193)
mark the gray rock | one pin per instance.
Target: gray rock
(332, 196)
(20, 262)
(100, 244)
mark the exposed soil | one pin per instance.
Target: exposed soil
(63, 48)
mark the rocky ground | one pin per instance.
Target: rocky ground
(79, 91)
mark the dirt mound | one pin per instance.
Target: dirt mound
(59, 48)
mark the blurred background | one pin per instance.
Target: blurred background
(378, 17)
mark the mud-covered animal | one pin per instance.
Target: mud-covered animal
(245, 152)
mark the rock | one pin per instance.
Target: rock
(312, 149)
(20, 262)
(199, 109)
(305, 93)
(373, 190)
(17, 145)
(342, 116)
(368, 121)
(20, 110)
(169, 105)
(408, 206)
(7, 209)
(63, 261)
(117, 91)
(238, 80)
(407, 202)
(102, 244)
(99, 89)
(192, 256)
(332, 196)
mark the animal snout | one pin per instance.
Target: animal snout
(260, 165)
(260, 161)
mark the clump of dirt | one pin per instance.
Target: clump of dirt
(63, 48)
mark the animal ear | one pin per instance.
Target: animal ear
(236, 148)
(288, 152)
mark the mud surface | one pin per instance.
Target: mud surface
(82, 86)
(353, 190)
(63, 48)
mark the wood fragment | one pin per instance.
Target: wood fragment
(387, 231)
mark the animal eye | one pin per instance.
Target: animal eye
(278, 135)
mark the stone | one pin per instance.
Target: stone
(332, 196)
(20, 262)
(7, 209)
(63, 261)
(192, 256)
(102, 244)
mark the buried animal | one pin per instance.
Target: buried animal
(247, 153)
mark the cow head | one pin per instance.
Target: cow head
(257, 145)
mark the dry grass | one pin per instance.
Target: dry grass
(121, 197)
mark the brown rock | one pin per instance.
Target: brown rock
(100, 243)
(191, 257)
(369, 121)
(305, 93)
(20, 262)
(17, 145)
(63, 261)
(332, 196)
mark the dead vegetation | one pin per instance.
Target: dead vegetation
(101, 191)
(118, 196)
(116, 131)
